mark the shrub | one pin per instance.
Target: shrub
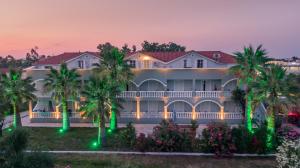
(288, 155)
(217, 138)
(38, 160)
(128, 135)
(144, 143)
(259, 140)
(242, 139)
(287, 133)
(168, 137)
(12, 152)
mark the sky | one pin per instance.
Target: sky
(58, 26)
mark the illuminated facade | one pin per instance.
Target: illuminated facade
(175, 85)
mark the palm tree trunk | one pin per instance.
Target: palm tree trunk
(17, 118)
(99, 131)
(270, 128)
(113, 117)
(66, 119)
(1, 126)
(102, 131)
(248, 112)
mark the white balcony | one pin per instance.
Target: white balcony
(208, 94)
(173, 94)
(153, 94)
(54, 115)
(180, 94)
(127, 94)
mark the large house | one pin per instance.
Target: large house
(167, 85)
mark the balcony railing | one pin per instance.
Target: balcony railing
(128, 94)
(208, 94)
(178, 115)
(173, 94)
(154, 94)
(54, 115)
(181, 94)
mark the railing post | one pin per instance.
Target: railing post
(57, 111)
(222, 112)
(138, 111)
(30, 109)
(193, 113)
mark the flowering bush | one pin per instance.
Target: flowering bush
(288, 155)
(168, 137)
(144, 143)
(217, 138)
(287, 133)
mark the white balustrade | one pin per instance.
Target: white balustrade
(208, 115)
(153, 94)
(233, 115)
(127, 94)
(227, 93)
(54, 115)
(185, 115)
(209, 94)
(180, 94)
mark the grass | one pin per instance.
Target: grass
(47, 138)
(139, 161)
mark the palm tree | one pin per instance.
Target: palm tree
(17, 90)
(249, 63)
(278, 90)
(64, 83)
(117, 71)
(97, 104)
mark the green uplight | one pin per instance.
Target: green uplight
(109, 131)
(9, 129)
(61, 130)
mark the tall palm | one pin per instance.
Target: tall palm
(278, 90)
(17, 90)
(116, 70)
(97, 103)
(249, 63)
(64, 83)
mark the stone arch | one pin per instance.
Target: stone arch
(179, 106)
(212, 106)
(156, 85)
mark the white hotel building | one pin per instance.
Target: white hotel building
(174, 85)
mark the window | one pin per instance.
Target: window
(146, 64)
(199, 63)
(185, 63)
(132, 63)
(80, 64)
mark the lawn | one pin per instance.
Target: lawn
(139, 161)
(45, 138)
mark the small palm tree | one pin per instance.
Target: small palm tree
(249, 63)
(65, 84)
(17, 90)
(275, 87)
(118, 73)
(97, 104)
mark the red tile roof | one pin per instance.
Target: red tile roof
(170, 56)
(162, 56)
(224, 57)
(62, 58)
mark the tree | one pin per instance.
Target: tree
(117, 71)
(249, 63)
(65, 84)
(238, 96)
(17, 90)
(278, 91)
(4, 107)
(97, 104)
(156, 47)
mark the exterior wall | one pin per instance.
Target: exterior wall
(156, 93)
(178, 63)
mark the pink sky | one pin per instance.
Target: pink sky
(57, 26)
